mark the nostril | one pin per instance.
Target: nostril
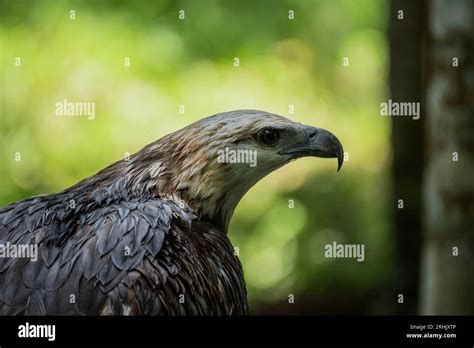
(313, 134)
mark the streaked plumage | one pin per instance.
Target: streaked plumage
(148, 235)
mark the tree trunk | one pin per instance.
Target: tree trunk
(447, 273)
(406, 34)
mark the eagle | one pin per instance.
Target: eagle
(147, 235)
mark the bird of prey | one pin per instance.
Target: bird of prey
(148, 235)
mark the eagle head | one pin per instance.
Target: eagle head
(212, 163)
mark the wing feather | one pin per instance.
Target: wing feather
(128, 256)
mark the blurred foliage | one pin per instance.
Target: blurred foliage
(191, 62)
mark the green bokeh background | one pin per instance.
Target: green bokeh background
(190, 62)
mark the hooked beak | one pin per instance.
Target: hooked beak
(316, 142)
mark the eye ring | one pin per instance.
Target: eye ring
(268, 136)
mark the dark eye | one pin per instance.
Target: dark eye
(269, 136)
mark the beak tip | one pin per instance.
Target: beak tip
(340, 160)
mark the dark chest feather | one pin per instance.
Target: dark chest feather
(131, 257)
